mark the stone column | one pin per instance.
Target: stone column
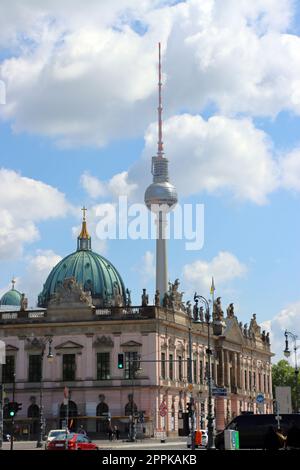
(220, 377)
(226, 368)
(21, 362)
(89, 359)
(239, 371)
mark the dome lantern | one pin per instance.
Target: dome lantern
(84, 239)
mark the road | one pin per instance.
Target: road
(146, 444)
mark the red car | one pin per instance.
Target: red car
(73, 442)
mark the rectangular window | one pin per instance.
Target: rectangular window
(131, 364)
(188, 369)
(254, 379)
(259, 383)
(250, 384)
(180, 376)
(163, 365)
(201, 372)
(171, 369)
(265, 388)
(103, 366)
(246, 388)
(195, 369)
(8, 370)
(35, 367)
(69, 367)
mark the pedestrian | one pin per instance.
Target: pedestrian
(282, 438)
(116, 432)
(82, 430)
(110, 432)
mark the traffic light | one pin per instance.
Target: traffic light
(18, 407)
(189, 408)
(120, 361)
(11, 409)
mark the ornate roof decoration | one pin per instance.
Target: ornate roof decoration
(103, 341)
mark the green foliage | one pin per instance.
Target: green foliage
(283, 375)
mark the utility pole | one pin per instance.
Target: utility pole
(190, 379)
(1, 407)
(13, 417)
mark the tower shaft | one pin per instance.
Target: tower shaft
(161, 254)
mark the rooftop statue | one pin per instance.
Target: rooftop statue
(218, 313)
(145, 298)
(230, 311)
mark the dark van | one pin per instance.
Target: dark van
(253, 428)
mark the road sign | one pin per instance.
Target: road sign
(163, 409)
(260, 398)
(219, 392)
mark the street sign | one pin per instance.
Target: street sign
(163, 409)
(260, 398)
(219, 392)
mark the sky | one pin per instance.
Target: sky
(79, 127)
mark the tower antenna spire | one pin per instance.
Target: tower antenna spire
(160, 145)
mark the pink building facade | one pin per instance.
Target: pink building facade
(85, 343)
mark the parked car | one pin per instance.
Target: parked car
(54, 434)
(73, 442)
(204, 438)
(253, 428)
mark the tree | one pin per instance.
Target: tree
(283, 375)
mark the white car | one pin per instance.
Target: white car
(203, 440)
(54, 434)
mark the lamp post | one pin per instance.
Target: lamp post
(134, 367)
(44, 341)
(287, 353)
(190, 380)
(210, 417)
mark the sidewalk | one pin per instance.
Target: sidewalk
(149, 442)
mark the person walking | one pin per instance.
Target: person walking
(110, 432)
(116, 432)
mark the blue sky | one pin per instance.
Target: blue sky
(81, 99)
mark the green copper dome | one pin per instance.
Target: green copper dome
(92, 271)
(12, 297)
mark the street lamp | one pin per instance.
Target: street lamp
(210, 417)
(134, 368)
(50, 357)
(287, 354)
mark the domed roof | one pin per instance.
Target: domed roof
(12, 297)
(91, 270)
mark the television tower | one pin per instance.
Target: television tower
(160, 197)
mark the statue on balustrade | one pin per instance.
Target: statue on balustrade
(230, 311)
(218, 314)
(145, 298)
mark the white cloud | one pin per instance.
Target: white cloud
(23, 203)
(146, 267)
(38, 269)
(290, 170)
(117, 186)
(82, 74)
(223, 154)
(223, 268)
(92, 185)
(287, 319)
